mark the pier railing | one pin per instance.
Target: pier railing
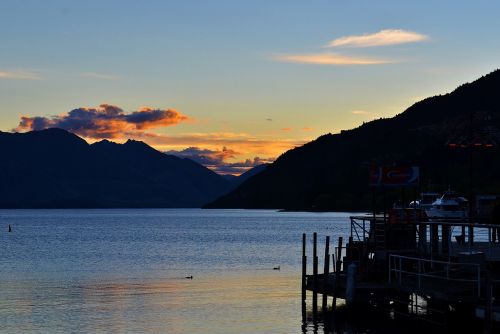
(460, 279)
(360, 227)
(452, 237)
(443, 237)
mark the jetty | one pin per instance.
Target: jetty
(416, 267)
(402, 261)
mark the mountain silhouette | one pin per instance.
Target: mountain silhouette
(236, 180)
(331, 172)
(56, 169)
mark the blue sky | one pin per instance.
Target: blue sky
(226, 65)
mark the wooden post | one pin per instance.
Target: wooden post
(422, 238)
(385, 205)
(315, 274)
(304, 269)
(374, 216)
(488, 306)
(434, 239)
(350, 256)
(338, 266)
(445, 238)
(333, 261)
(326, 270)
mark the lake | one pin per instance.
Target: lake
(123, 271)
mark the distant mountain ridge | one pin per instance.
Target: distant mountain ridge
(237, 180)
(57, 169)
(331, 172)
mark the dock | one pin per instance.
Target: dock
(410, 264)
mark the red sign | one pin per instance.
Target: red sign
(399, 176)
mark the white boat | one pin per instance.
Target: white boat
(448, 206)
(426, 200)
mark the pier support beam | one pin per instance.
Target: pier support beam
(326, 269)
(304, 270)
(434, 239)
(445, 239)
(422, 238)
(488, 305)
(338, 266)
(315, 274)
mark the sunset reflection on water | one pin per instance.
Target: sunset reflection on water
(123, 271)
(245, 302)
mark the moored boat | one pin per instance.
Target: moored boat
(448, 206)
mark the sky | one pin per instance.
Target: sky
(232, 83)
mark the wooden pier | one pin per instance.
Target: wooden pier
(406, 264)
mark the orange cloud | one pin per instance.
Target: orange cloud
(111, 122)
(220, 161)
(330, 59)
(286, 129)
(245, 145)
(106, 121)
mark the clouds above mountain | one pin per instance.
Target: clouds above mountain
(104, 121)
(240, 151)
(217, 160)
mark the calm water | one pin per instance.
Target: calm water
(118, 271)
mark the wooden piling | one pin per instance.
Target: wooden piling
(350, 256)
(333, 261)
(315, 274)
(422, 238)
(326, 269)
(304, 269)
(434, 239)
(338, 266)
(445, 238)
(488, 305)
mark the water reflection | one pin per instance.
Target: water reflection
(242, 302)
(361, 320)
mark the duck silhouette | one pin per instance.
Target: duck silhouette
(189, 277)
(277, 268)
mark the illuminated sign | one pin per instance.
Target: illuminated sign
(398, 176)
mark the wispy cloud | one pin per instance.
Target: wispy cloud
(330, 59)
(19, 75)
(381, 38)
(243, 143)
(99, 76)
(364, 113)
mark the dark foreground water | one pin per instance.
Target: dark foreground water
(117, 271)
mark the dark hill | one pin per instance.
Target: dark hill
(251, 172)
(56, 169)
(331, 173)
(237, 180)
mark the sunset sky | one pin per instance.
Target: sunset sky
(234, 82)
